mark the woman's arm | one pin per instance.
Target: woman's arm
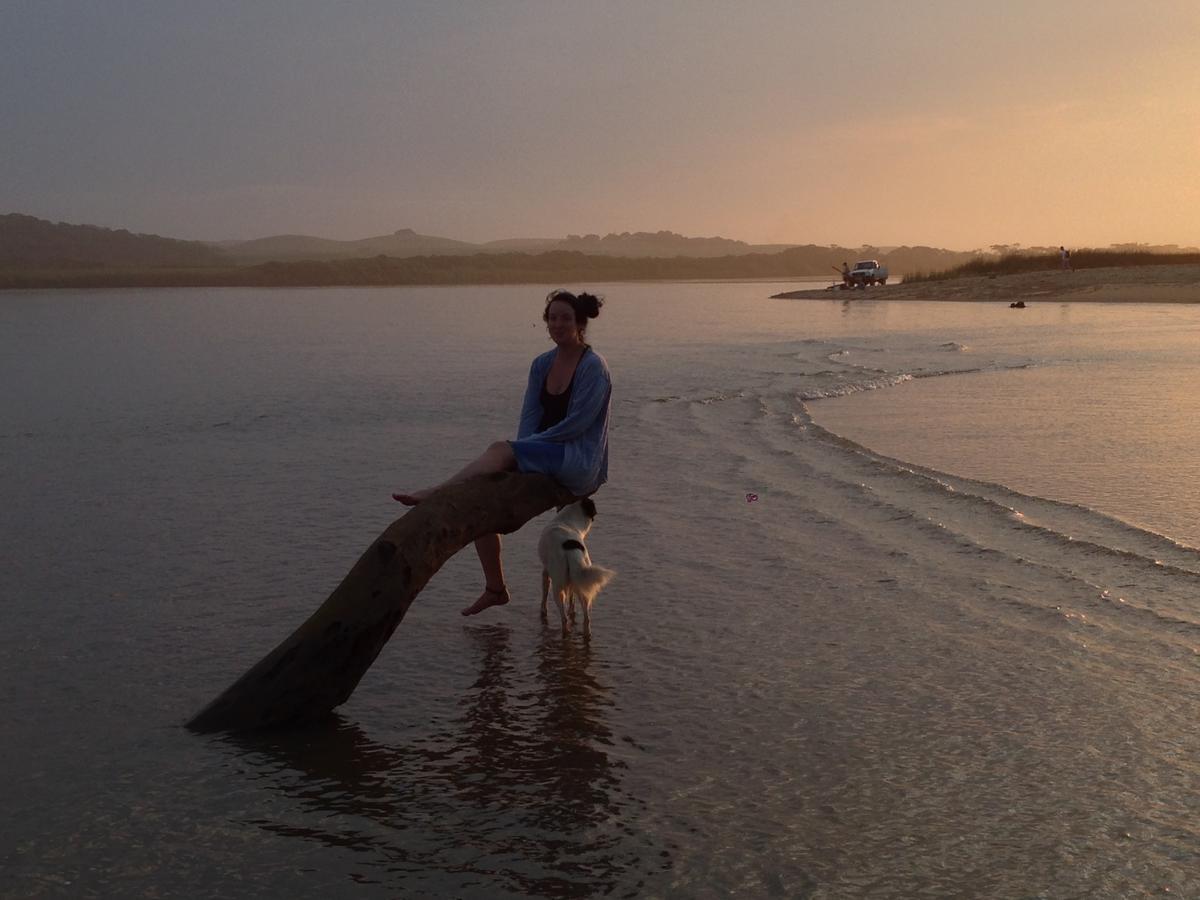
(531, 408)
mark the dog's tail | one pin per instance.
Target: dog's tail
(588, 581)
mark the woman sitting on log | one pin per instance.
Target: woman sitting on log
(563, 430)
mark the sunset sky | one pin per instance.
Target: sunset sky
(933, 122)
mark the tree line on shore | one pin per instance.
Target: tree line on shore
(35, 253)
(553, 267)
(1014, 263)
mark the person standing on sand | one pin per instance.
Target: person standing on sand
(563, 430)
(1064, 256)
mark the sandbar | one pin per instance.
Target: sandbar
(1126, 284)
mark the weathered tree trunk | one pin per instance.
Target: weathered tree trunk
(318, 667)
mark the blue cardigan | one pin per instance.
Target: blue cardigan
(584, 431)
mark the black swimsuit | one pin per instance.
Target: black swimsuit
(554, 406)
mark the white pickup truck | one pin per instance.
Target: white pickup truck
(866, 272)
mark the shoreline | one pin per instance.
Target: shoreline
(191, 279)
(1124, 284)
(1128, 284)
(117, 286)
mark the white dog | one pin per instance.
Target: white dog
(566, 565)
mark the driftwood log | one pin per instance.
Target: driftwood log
(318, 667)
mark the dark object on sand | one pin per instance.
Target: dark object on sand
(319, 666)
(1020, 304)
(867, 272)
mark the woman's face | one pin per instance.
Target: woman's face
(560, 320)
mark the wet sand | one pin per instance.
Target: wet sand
(1133, 284)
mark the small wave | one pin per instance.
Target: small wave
(841, 354)
(866, 379)
(938, 373)
(953, 347)
(854, 387)
(1077, 543)
(719, 397)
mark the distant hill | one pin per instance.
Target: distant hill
(520, 245)
(408, 243)
(29, 242)
(38, 253)
(26, 241)
(662, 243)
(402, 243)
(629, 255)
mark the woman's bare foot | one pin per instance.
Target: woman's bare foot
(414, 498)
(489, 597)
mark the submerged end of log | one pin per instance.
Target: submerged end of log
(320, 664)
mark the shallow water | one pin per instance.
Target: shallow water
(890, 675)
(1107, 417)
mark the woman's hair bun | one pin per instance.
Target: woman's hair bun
(589, 305)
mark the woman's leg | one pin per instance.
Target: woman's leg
(496, 458)
(495, 592)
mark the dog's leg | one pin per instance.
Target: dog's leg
(560, 594)
(586, 602)
(545, 590)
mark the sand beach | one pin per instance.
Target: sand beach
(1132, 284)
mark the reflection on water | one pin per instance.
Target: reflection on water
(516, 793)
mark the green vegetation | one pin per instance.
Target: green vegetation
(1015, 263)
(554, 267)
(35, 253)
(29, 242)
